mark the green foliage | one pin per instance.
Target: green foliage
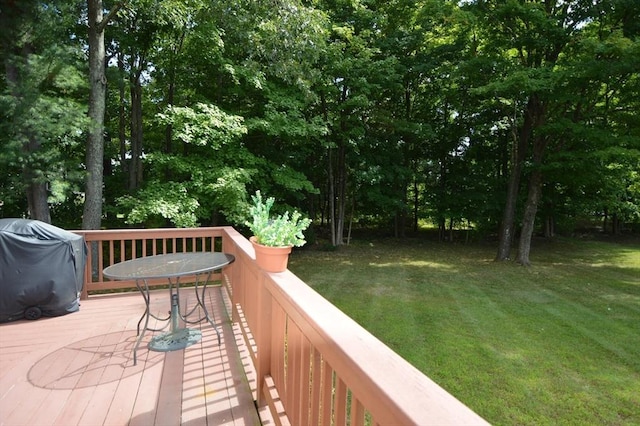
(43, 124)
(275, 231)
(203, 124)
(160, 203)
(382, 110)
(290, 38)
(284, 116)
(207, 181)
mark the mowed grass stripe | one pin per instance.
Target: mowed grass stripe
(557, 343)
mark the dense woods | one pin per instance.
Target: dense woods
(508, 117)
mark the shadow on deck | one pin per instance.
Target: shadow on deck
(78, 369)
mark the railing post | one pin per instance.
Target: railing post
(86, 278)
(263, 340)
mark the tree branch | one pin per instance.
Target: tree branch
(102, 25)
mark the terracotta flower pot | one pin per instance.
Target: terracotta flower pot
(271, 259)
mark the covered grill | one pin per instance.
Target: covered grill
(41, 269)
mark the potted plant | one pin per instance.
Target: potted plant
(274, 236)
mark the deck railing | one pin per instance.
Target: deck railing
(314, 365)
(106, 247)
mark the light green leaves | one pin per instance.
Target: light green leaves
(275, 231)
(158, 203)
(204, 124)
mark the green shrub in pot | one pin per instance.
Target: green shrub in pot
(275, 231)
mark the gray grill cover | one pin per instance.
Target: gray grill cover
(41, 266)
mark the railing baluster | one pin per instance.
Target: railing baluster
(305, 380)
(316, 383)
(111, 253)
(327, 394)
(340, 402)
(357, 412)
(292, 373)
(278, 346)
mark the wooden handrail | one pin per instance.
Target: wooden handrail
(106, 247)
(314, 365)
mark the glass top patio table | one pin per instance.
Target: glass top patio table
(171, 266)
(168, 265)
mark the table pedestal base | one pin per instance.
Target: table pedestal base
(172, 266)
(175, 340)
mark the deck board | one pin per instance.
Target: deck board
(77, 369)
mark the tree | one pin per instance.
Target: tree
(207, 181)
(528, 38)
(97, 23)
(452, 112)
(42, 115)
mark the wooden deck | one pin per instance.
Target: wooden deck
(77, 369)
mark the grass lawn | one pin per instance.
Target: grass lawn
(557, 343)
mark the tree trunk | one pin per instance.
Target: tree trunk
(135, 168)
(615, 224)
(171, 90)
(36, 190)
(330, 204)
(338, 183)
(507, 226)
(519, 154)
(442, 186)
(416, 201)
(332, 196)
(442, 229)
(92, 215)
(533, 197)
(37, 200)
(122, 114)
(529, 217)
(549, 227)
(341, 186)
